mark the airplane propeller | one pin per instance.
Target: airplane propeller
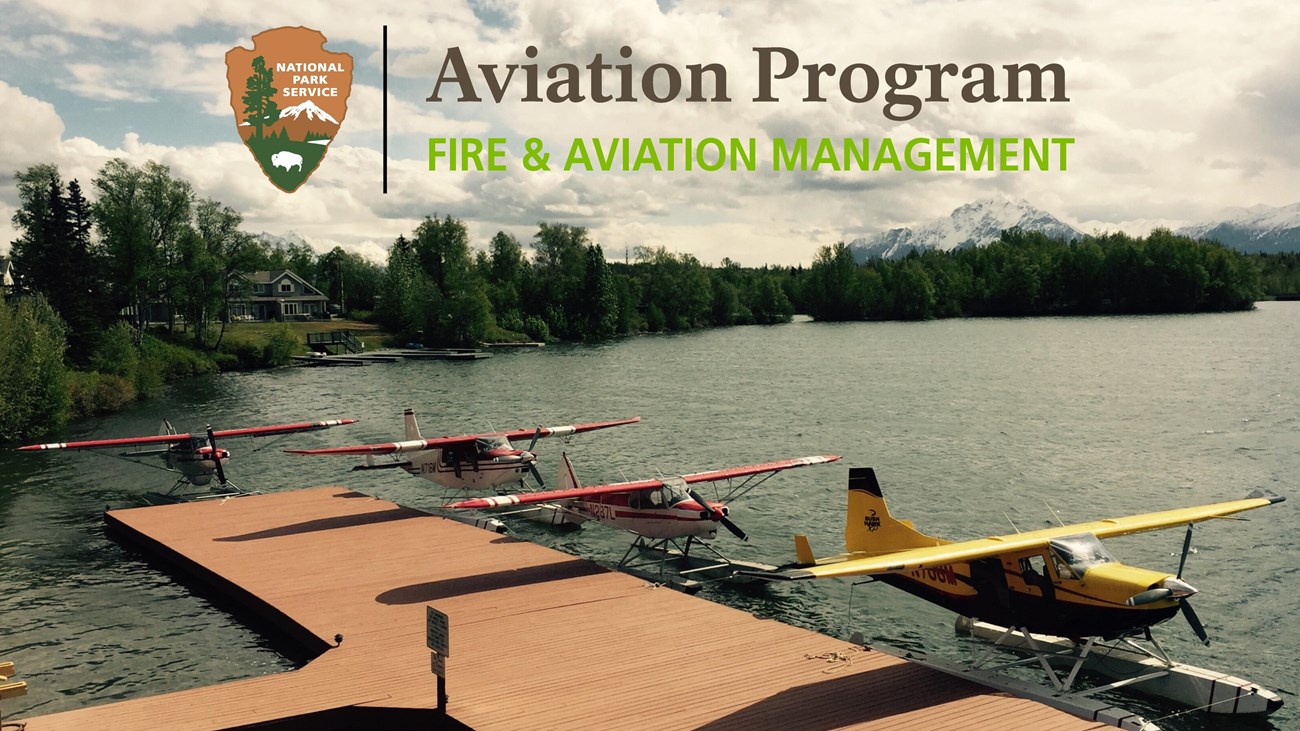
(1194, 621)
(715, 514)
(536, 435)
(1187, 546)
(532, 468)
(1186, 608)
(1176, 588)
(216, 457)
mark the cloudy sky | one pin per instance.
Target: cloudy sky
(1179, 109)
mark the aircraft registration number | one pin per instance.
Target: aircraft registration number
(600, 511)
(938, 574)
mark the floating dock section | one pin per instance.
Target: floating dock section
(537, 639)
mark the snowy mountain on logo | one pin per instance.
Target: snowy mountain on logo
(973, 224)
(310, 109)
(305, 119)
(1267, 229)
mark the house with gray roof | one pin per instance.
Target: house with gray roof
(280, 295)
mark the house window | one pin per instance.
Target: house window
(289, 308)
(286, 286)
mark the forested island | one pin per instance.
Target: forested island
(81, 331)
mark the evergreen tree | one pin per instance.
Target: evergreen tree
(30, 249)
(259, 108)
(600, 299)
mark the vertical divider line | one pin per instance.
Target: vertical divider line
(385, 110)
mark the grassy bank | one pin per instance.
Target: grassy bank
(260, 333)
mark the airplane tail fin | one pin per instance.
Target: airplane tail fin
(568, 479)
(869, 527)
(412, 426)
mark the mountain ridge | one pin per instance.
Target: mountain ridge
(1257, 229)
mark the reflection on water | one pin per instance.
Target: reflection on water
(968, 424)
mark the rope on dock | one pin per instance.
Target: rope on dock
(841, 659)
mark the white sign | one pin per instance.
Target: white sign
(437, 631)
(439, 663)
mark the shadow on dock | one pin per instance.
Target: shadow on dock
(431, 590)
(877, 695)
(331, 523)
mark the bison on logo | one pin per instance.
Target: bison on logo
(289, 96)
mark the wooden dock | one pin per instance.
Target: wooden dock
(538, 639)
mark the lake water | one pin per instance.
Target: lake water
(970, 424)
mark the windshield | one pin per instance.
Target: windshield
(1078, 553)
(494, 442)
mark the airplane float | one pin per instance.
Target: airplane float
(658, 512)
(466, 462)
(1057, 581)
(195, 456)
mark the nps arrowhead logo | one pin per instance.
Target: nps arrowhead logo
(290, 96)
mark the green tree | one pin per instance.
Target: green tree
(33, 394)
(559, 268)
(56, 257)
(676, 289)
(599, 297)
(770, 304)
(400, 306)
(260, 109)
(506, 272)
(829, 289)
(30, 250)
(123, 215)
(348, 279)
(457, 309)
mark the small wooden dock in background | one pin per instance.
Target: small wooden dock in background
(538, 639)
(389, 356)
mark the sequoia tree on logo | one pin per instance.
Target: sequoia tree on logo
(289, 96)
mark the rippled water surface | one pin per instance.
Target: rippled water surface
(969, 424)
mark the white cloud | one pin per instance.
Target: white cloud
(29, 128)
(39, 46)
(1178, 110)
(96, 81)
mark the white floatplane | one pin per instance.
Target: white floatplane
(668, 517)
(470, 463)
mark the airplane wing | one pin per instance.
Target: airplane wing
(269, 431)
(932, 556)
(564, 431)
(578, 492)
(416, 445)
(257, 431)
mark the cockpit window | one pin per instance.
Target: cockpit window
(672, 493)
(1074, 555)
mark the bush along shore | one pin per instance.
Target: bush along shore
(40, 391)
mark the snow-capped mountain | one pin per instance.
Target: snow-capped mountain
(973, 224)
(1256, 229)
(283, 242)
(310, 109)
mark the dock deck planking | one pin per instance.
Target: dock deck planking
(539, 639)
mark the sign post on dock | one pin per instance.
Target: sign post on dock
(437, 633)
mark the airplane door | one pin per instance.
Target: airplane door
(1034, 572)
(989, 579)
